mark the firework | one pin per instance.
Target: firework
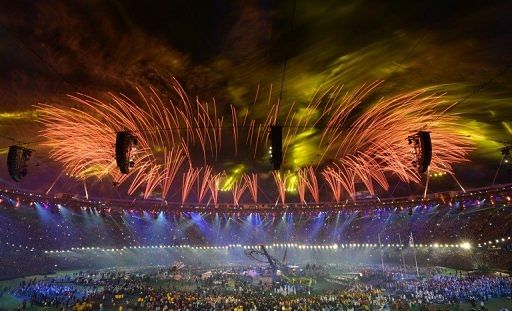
(310, 179)
(251, 183)
(334, 183)
(301, 187)
(213, 185)
(203, 185)
(280, 182)
(82, 138)
(189, 178)
(238, 190)
(338, 140)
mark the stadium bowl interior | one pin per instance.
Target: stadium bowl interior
(255, 155)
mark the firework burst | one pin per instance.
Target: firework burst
(339, 141)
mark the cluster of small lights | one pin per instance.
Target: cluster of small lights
(190, 247)
(464, 245)
(19, 246)
(438, 174)
(494, 243)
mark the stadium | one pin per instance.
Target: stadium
(255, 155)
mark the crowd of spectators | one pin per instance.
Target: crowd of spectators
(445, 289)
(38, 228)
(48, 293)
(136, 290)
(28, 230)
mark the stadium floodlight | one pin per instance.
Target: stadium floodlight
(422, 145)
(126, 143)
(17, 159)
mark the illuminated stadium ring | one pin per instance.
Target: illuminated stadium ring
(495, 196)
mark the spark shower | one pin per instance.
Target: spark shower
(340, 140)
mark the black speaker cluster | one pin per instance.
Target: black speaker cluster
(423, 150)
(17, 159)
(126, 143)
(276, 149)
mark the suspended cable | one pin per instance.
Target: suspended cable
(286, 58)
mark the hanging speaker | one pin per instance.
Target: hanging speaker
(17, 159)
(276, 153)
(125, 144)
(426, 151)
(422, 149)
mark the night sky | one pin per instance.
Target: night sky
(228, 49)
